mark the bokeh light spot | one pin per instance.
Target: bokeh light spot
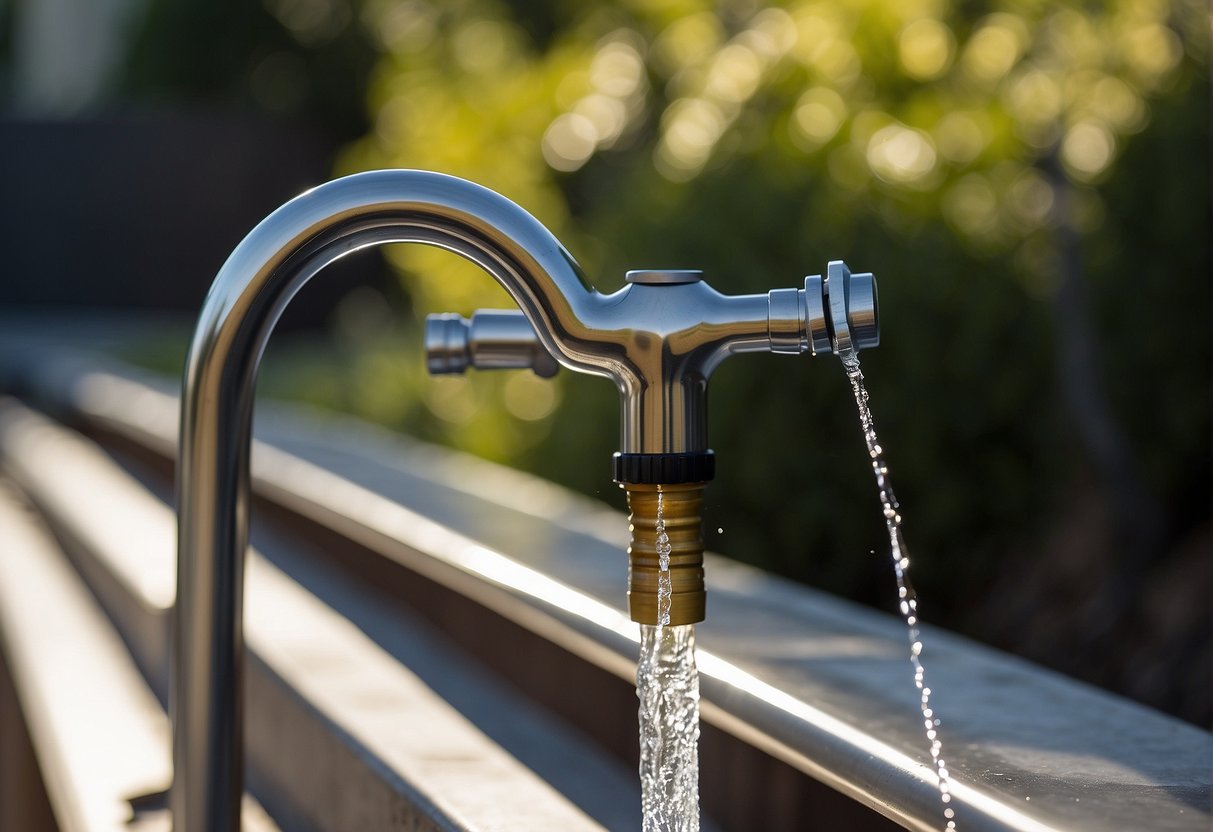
(569, 141)
(687, 41)
(692, 126)
(529, 397)
(1035, 97)
(451, 399)
(925, 48)
(961, 136)
(994, 47)
(734, 75)
(483, 45)
(1087, 149)
(900, 155)
(617, 69)
(819, 114)
(1152, 51)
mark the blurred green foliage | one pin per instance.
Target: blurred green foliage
(976, 157)
(925, 141)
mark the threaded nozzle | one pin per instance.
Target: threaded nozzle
(681, 507)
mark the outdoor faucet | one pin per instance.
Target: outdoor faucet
(658, 339)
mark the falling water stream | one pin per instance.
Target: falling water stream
(667, 684)
(908, 599)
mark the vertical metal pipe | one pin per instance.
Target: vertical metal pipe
(258, 280)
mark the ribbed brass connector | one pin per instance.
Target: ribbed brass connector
(680, 510)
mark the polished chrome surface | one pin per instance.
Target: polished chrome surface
(852, 304)
(254, 285)
(816, 330)
(661, 336)
(654, 277)
(797, 320)
(492, 339)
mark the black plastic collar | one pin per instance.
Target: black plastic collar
(660, 469)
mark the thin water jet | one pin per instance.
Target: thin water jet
(907, 597)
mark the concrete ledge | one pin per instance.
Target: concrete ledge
(340, 735)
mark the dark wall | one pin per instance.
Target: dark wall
(141, 211)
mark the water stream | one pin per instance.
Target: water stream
(667, 681)
(667, 684)
(908, 599)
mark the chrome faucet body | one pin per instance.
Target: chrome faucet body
(661, 336)
(658, 339)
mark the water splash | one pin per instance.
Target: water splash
(665, 586)
(907, 598)
(667, 684)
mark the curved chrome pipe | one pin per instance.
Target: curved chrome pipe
(658, 338)
(246, 300)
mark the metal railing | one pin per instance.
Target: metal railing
(812, 682)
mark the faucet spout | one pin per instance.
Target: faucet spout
(659, 339)
(272, 263)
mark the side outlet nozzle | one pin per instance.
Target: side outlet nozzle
(492, 339)
(854, 318)
(837, 314)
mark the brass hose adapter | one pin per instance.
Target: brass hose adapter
(681, 506)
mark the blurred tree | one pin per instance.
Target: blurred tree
(971, 159)
(1029, 181)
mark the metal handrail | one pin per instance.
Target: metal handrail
(815, 681)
